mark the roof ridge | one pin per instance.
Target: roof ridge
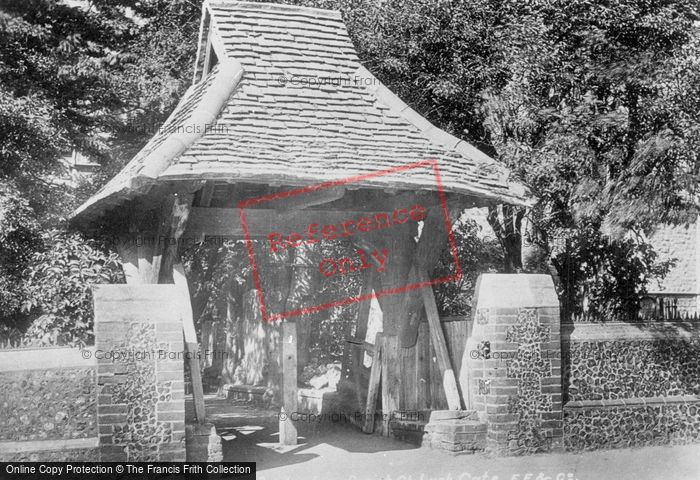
(280, 7)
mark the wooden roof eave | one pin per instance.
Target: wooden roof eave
(517, 194)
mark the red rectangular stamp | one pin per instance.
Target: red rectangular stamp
(315, 226)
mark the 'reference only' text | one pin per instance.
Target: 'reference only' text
(366, 258)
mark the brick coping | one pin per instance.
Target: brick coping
(633, 402)
(610, 331)
(46, 359)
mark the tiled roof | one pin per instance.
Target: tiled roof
(304, 111)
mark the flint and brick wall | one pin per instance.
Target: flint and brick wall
(140, 370)
(631, 385)
(47, 399)
(513, 360)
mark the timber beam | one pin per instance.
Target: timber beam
(226, 222)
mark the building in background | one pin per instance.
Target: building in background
(77, 167)
(678, 294)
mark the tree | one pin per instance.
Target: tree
(477, 254)
(57, 85)
(19, 239)
(599, 113)
(98, 77)
(600, 120)
(592, 104)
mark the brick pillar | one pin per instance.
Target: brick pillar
(513, 359)
(140, 366)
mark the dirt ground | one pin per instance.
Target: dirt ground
(339, 452)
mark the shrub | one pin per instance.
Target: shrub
(476, 255)
(19, 238)
(58, 285)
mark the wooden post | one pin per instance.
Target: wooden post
(449, 381)
(423, 361)
(300, 287)
(148, 264)
(145, 253)
(288, 432)
(207, 194)
(390, 380)
(357, 355)
(182, 206)
(401, 247)
(373, 387)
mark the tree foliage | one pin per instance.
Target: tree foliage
(599, 119)
(477, 254)
(19, 239)
(98, 77)
(593, 105)
(59, 282)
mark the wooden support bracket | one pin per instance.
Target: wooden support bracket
(449, 381)
(181, 208)
(161, 242)
(129, 257)
(432, 240)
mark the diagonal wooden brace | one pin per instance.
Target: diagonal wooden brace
(437, 336)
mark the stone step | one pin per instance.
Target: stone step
(408, 426)
(411, 426)
(456, 426)
(413, 415)
(438, 415)
(455, 432)
(463, 446)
